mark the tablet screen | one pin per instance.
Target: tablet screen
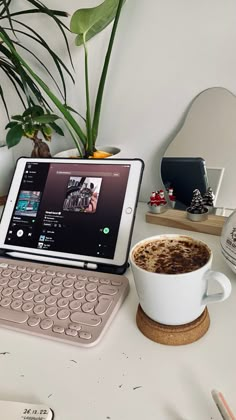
(78, 209)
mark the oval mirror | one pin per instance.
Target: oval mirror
(209, 133)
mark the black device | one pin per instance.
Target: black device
(184, 175)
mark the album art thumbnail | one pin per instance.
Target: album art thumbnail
(82, 194)
(28, 203)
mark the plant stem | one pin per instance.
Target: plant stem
(98, 104)
(89, 148)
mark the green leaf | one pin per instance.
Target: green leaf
(17, 118)
(11, 124)
(14, 135)
(45, 119)
(57, 128)
(88, 22)
(33, 111)
(47, 130)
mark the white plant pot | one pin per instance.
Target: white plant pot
(72, 153)
(6, 169)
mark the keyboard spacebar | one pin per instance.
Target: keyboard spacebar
(86, 319)
(13, 316)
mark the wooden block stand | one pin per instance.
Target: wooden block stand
(178, 219)
(173, 335)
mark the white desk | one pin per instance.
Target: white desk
(127, 376)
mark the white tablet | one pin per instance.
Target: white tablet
(72, 211)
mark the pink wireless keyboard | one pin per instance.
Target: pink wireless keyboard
(64, 304)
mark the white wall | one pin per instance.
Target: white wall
(165, 53)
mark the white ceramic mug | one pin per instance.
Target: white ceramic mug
(176, 299)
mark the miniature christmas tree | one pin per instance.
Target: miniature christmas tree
(197, 204)
(208, 198)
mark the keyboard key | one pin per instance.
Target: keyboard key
(93, 279)
(23, 284)
(21, 268)
(85, 335)
(46, 279)
(76, 327)
(31, 269)
(71, 276)
(13, 283)
(17, 294)
(3, 281)
(7, 292)
(5, 301)
(46, 323)
(56, 291)
(79, 294)
(91, 287)
(25, 276)
(39, 298)
(6, 273)
(107, 290)
(79, 285)
(15, 274)
(62, 303)
(28, 295)
(87, 307)
(51, 311)
(67, 293)
(33, 321)
(72, 333)
(104, 281)
(39, 309)
(74, 304)
(57, 281)
(91, 297)
(85, 319)
(103, 305)
(63, 314)
(82, 277)
(68, 283)
(16, 304)
(36, 277)
(27, 307)
(61, 274)
(33, 287)
(44, 288)
(57, 329)
(50, 272)
(51, 300)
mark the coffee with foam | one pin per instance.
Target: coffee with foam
(176, 255)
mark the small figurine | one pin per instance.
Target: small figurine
(197, 211)
(171, 195)
(157, 202)
(208, 198)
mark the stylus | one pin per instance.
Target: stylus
(60, 261)
(222, 405)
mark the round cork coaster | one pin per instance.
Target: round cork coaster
(170, 334)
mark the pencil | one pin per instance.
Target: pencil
(222, 405)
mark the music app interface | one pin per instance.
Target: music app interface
(72, 208)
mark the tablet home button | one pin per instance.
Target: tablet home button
(129, 210)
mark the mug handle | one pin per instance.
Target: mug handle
(224, 282)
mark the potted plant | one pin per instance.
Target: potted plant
(85, 23)
(35, 124)
(18, 33)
